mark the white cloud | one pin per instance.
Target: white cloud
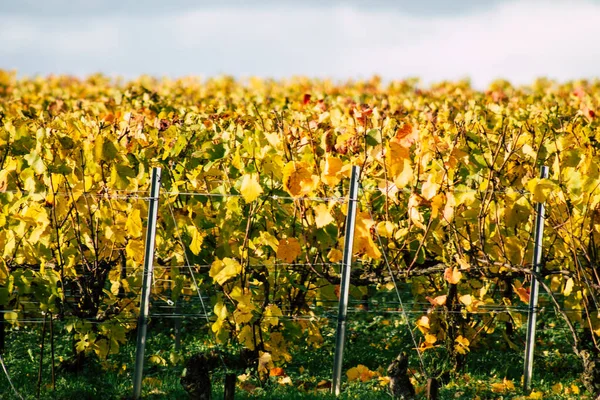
(517, 40)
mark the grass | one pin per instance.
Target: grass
(371, 341)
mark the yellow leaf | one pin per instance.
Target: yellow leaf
(413, 211)
(461, 344)
(288, 249)
(11, 316)
(498, 387)
(324, 385)
(452, 275)
(360, 372)
(3, 271)
(243, 311)
(242, 315)
(265, 362)
(246, 337)
(398, 164)
(540, 189)
(353, 374)
(448, 213)
(197, 239)
(384, 380)
(574, 389)
(466, 299)
(220, 310)
(558, 388)
(385, 229)
(363, 242)
(135, 250)
(322, 215)
(223, 270)
(335, 255)
(462, 263)
(568, 287)
(133, 226)
(331, 171)
(284, 380)
(437, 301)
(4, 180)
(250, 188)
(536, 395)
(158, 360)
(297, 179)
(423, 324)
(101, 347)
(436, 204)
(243, 377)
(429, 338)
(272, 314)
(429, 342)
(242, 295)
(429, 188)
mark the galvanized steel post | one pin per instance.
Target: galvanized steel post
(534, 291)
(146, 282)
(345, 282)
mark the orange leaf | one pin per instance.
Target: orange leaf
(323, 384)
(522, 293)
(406, 135)
(277, 371)
(288, 249)
(437, 301)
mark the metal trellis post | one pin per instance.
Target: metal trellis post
(345, 282)
(533, 293)
(146, 282)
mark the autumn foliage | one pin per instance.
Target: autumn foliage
(254, 195)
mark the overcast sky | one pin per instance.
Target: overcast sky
(434, 40)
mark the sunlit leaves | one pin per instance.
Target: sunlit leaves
(196, 243)
(11, 317)
(429, 342)
(360, 373)
(363, 241)
(452, 275)
(406, 135)
(134, 223)
(223, 270)
(250, 188)
(448, 189)
(220, 311)
(461, 344)
(322, 215)
(331, 171)
(272, 314)
(568, 287)
(298, 179)
(505, 386)
(540, 189)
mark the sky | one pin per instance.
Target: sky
(435, 40)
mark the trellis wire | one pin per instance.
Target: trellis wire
(412, 335)
(402, 310)
(193, 276)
